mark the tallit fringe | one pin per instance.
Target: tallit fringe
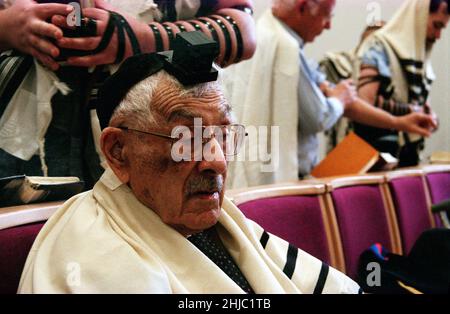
(65, 90)
(44, 167)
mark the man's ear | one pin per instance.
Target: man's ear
(112, 144)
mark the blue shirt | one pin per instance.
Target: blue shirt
(317, 113)
(377, 57)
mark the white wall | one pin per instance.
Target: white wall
(349, 19)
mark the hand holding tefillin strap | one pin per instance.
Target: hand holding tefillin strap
(117, 21)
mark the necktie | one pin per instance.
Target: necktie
(209, 243)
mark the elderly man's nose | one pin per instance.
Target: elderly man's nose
(213, 158)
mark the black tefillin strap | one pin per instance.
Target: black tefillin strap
(170, 34)
(181, 27)
(237, 31)
(227, 36)
(158, 39)
(211, 29)
(195, 25)
(118, 21)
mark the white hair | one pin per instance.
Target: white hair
(285, 4)
(137, 107)
(289, 5)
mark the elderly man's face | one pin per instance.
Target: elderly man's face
(313, 18)
(187, 195)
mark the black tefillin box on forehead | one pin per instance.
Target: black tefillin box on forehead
(191, 58)
(191, 62)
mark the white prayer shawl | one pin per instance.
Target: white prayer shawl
(263, 92)
(106, 241)
(27, 116)
(404, 38)
(342, 62)
(143, 10)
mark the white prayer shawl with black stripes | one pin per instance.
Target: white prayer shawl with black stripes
(404, 39)
(106, 241)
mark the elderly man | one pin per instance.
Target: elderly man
(156, 225)
(395, 72)
(279, 87)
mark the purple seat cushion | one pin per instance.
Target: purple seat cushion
(15, 243)
(296, 219)
(362, 221)
(439, 186)
(411, 208)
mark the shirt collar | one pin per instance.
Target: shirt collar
(297, 37)
(110, 180)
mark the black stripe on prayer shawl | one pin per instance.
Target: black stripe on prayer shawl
(407, 62)
(291, 260)
(322, 279)
(413, 77)
(264, 239)
(13, 70)
(417, 82)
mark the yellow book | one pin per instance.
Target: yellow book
(440, 158)
(351, 156)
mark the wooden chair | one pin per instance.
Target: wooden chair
(19, 226)
(408, 195)
(438, 184)
(363, 217)
(297, 214)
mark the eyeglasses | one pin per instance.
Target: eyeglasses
(190, 141)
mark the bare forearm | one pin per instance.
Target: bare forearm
(232, 29)
(4, 42)
(362, 112)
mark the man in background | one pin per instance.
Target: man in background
(278, 87)
(395, 73)
(338, 66)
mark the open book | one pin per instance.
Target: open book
(18, 190)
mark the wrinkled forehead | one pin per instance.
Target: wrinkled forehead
(206, 101)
